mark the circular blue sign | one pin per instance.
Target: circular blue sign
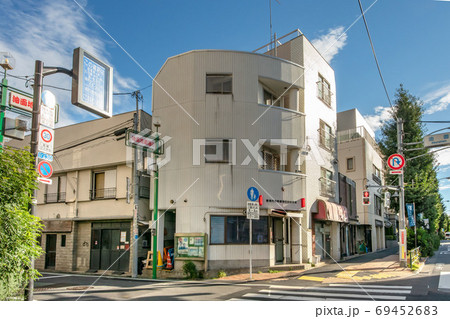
(252, 194)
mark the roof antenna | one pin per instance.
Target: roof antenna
(270, 20)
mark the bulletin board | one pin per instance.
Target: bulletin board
(191, 246)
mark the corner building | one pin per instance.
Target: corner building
(235, 120)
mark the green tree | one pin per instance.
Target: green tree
(18, 229)
(421, 183)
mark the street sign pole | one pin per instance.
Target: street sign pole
(402, 248)
(251, 252)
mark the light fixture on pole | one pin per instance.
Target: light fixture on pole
(7, 62)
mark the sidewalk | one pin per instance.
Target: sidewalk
(377, 269)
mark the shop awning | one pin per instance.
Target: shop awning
(331, 211)
(282, 213)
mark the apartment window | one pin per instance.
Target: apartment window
(327, 184)
(56, 191)
(63, 240)
(218, 151)
(219, 83)
(324, 90)
(271, 160)
(350, 164)
(104, 184)
(235, 230)
(376, 175)
(270, 99)
(326, 136)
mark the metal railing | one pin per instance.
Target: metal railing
(326, 139)
(54, 198)
(414, 256)
(103, 193)
(324, 93)
(327, 187)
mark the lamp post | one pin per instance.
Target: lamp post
(157, 124)
(7, 62)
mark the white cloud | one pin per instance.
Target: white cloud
(437, 100)
(441, 188)
(331, 43)
(49, 31)
(382, 114)
(443, 157)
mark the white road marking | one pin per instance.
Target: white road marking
(444, 281)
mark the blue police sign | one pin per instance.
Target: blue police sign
(410, 210)
(252, 194)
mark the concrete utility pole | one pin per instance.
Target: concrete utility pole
(402, 227)
(37, 92)
(134, 271)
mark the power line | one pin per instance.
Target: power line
(374, 54)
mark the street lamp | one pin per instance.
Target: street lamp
(7, 62)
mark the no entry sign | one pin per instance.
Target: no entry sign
(396, 161)
(45, 169)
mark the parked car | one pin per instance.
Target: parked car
(447, 235)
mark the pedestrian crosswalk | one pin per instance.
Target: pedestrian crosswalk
(330, 292)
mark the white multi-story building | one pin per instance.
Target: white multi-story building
(235, 120)
(361, 160)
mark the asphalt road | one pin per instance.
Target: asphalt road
(432, 283)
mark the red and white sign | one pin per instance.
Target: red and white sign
(396, 172)
(45, 144)
(45, 169)
(47, 181)
(396, 161)
(402, 236)
(20, 101)
(143, 141)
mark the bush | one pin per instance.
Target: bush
(221, 274)
(18, 229)
(428, 242)
(390, 237)
(189, 270)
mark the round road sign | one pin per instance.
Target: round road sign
(46, 136)
(253, 194)
(396, 161)
(45, 169)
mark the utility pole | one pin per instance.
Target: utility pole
(134, 271)
(37, 92)
(402, 248)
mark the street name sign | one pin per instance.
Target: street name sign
(253, 210)
(437, 140)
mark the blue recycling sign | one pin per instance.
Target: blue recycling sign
(410, 211)
(253, 194)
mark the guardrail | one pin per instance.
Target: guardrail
(414, 256)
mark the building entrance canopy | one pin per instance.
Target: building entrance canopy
(332, 212)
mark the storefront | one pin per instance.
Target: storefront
(330, 231)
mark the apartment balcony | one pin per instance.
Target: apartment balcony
(355, 134)
(327, 187)
(54, 198)
(103, 193)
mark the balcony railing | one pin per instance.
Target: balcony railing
(55, 198)
(103, 193)
(327, 187)
(326, 139)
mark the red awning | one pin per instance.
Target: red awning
(331, 211)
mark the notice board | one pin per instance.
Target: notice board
(191, 246)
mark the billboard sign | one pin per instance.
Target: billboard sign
(20, 101)
(410, 211)
(92, 83)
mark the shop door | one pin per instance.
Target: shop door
(278, 239)
(95, 249)
(327, 246)
(50, 251)
(105, 249)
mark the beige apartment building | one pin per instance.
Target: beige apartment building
(87, 211)
(236, 120)
(361, 160)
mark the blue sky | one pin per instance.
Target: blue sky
(410, 36)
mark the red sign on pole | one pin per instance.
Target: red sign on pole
(396, 161)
